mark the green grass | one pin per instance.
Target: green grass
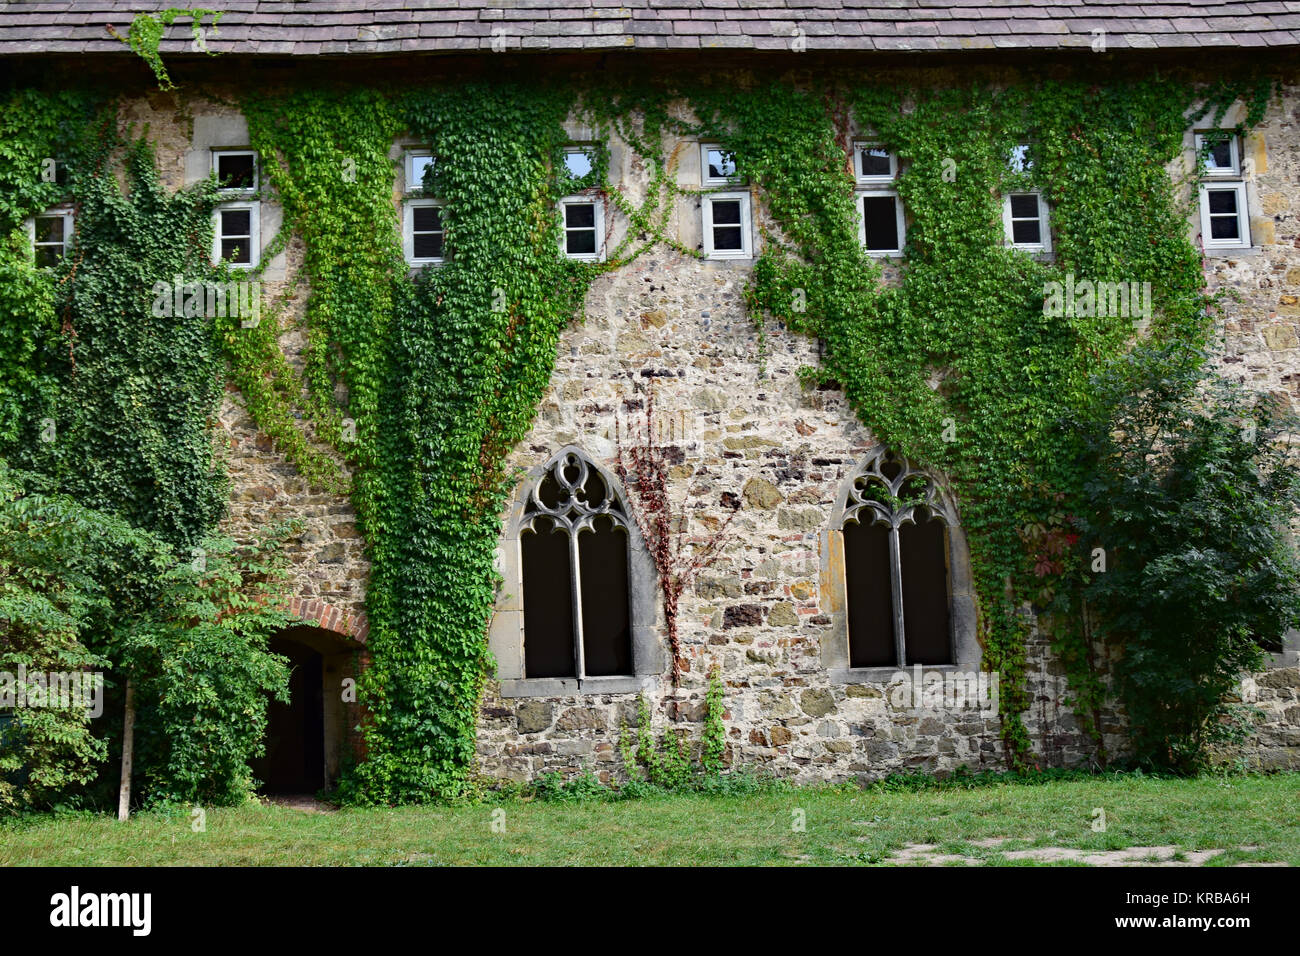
(842, 826)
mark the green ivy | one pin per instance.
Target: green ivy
(957, 365)
(422, 384)
(110, 419)
(146, 32)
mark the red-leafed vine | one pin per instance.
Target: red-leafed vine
(679, 558)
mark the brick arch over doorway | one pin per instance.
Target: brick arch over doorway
(330, 617)
(312, 737)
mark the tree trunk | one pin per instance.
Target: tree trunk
(128, 744)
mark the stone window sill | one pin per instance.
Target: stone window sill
(887, 675)
(1213, 253)
(570, 686)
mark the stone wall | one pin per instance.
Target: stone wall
(751, 434)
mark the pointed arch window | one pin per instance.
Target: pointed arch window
(897, 567)
(574, 542)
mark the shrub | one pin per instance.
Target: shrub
(1193, 487)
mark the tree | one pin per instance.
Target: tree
(1192, 491)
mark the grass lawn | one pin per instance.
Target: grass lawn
(1251, 819)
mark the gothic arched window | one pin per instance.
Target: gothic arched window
(574, 543)
(905, 592)
(578, 607)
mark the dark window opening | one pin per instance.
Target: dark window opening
(922, 553)
(875, 162)
(574, 505)
(426, 232)
(580, 229)
(880, 220)
(871, 615)
(236, 171)
(896, 531)
(727, 225)
(548, 603)
(606, 623)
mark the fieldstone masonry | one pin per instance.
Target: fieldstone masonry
(755, 439)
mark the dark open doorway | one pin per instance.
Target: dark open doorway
(295, 732)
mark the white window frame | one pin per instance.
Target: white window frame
(705, 178)
(868, 180)
(1044, 223)
(598, 221)
(257, 171)
(1234, 171)
(858, 196)
(579, 149)
(69, 223)
(746, 226)
(1243, 217)
(408, 232)
(414, 183)
(254, 226)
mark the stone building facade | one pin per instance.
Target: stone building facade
(755, 454)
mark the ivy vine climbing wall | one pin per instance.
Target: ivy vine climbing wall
(955, 365)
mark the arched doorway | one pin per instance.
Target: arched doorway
(305, 737)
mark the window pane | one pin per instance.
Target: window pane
(235, 170)
(1220, 156)
(606, 623)
(1026, 231)
(427, 245)
(580, 215)
(881, 218)
(419, 167)
(1020, 160)
(871, 616)
(578, 163)
(236, 222)
(1024, 206)
(726, 212)
(548, 603)
(722, 164)
(1224, 227)
(49, 228)
(1223, 200)
(426, 219)
(236, 250)
(580, 242)
(727, 239)
(47, 256)
(875, 162)
(923, 550)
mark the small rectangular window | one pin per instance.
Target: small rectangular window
(584, 228)
(1224, 222)
(235, 169)
(578, 161)
(1222, 156)
(1021, 158)
(872, 163)
(422, 232)
(235, 234)
(718, 165)
(1024, 217)
(418, 162)
(880, 222)
(50, 232)
(727, 230)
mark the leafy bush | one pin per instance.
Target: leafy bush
(83, 590)
(1193, 488)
